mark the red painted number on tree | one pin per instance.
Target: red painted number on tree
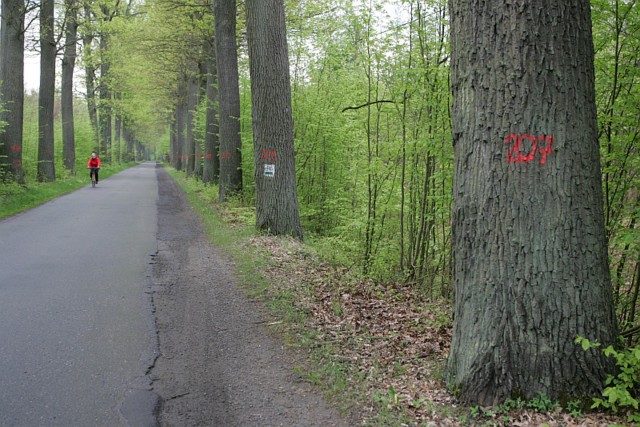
(269, 155)
(520, 142)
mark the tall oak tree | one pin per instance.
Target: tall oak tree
(11, 89)
(530, 253)
(275, 171)
(229, 98)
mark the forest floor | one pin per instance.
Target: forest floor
(391, 344)
(244, 350)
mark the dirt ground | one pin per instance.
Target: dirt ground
(218, 365)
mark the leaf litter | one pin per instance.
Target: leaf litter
(393, 341)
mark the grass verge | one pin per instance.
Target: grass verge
(16, 198)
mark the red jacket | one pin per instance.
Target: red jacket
(94, 163)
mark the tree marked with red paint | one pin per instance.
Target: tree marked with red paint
(515, 153)
(269, 155)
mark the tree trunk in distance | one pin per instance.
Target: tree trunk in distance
(180, 137)
(90, 78)
(104, 113)
(192, 102)
(66, 101)
(46, 94)
(211, 142)
(275, 171)
(117, 137)
(172, 143)
(229, 95)
(12, 89)
(129, 142)
(530, 254)
(200, 131)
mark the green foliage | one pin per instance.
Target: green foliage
(389, 398)
(574, 408)
(622, 390)
(371, 107)
(374, 177)
(542, 403)
(15, 198)
(503, 413)
(84, 139)
(2, 123)
(615, 28)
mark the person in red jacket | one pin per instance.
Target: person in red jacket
(94, 165)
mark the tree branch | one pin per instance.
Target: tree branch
(367, 104)
(630, 332)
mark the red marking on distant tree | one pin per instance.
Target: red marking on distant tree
(208, 155)
(15, 148)
(515, 154)
(226, 155)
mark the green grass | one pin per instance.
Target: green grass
(16, 198)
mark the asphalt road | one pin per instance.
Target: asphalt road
(76, 324)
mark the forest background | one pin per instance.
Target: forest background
(371, 105)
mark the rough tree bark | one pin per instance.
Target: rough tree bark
(66, 101)
(180, 119)
(192, 103)
(11, 89)
(90, 74)
(211, 142)
(173, 156)
(229, 99)
(104, 110)
(275, 172)
(117, 134)
(46, 94)
(200, 131)
(530, 253)
(128, 141)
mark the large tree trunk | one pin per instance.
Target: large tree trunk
(46, 165)
(211, 141)
(173, 156)
(200, 131)
(68, 65)
(104, 111)
(530, 254)
(192, 103)
(117, 137)
(180, 135)
(128, 139)
(229, 92)
(90, 77)
(11, 89)
(275, 171)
